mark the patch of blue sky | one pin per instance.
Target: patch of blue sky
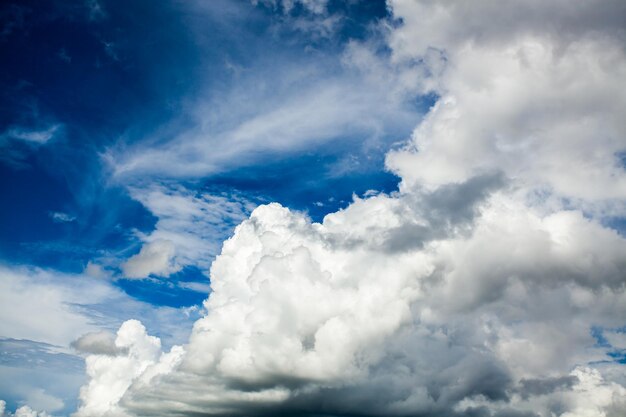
(30, 235)
(597, 332)
(616, 349)
(188, 287)
(317, 182)
(617, 223)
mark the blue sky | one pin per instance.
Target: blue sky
(450, 234)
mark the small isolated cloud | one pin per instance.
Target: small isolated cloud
(110, 49)
(95, 270)
(201, 287)
(63, 56)
(97, 343)
(95, 10)
(60, 217)
(154, 258)
(35, 136)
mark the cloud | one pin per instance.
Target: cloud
(95, 270)
(156, 257)
(306, 102)
(296, 317)
(23, 411)
(520, 95)
(110, 375)
(17, 142)
(36, 136)
(473, 290)
(190, 229)
(43, 311)
(313, 6)
(99, 343)
(58, 300)
(60, 217)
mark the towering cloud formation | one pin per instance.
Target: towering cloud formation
(488, 286)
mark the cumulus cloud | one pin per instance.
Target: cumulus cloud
(473, 291)
(111, 372)
(156, 257)
(23, 411)
(297, 316)
(547, 85)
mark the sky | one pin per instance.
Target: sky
(313, 207)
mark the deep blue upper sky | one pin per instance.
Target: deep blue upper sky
(83, 79)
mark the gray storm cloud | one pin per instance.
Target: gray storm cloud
(476, 290)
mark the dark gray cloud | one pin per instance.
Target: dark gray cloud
(531, 387)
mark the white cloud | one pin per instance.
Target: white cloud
(297, 106)
(298, 309)
(26, 411)
(60, 217)
(36, 136)
(190, 228)
(110, 375)
(40, 400)
(100, 343)
(314, 6)
(472, 291)
(156, 257)
(519, 97)
(95, 270)
(40, 305)
(42, 312)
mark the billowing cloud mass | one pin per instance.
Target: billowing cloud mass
(489, 285)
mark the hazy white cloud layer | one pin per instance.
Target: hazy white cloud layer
(488, 286)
